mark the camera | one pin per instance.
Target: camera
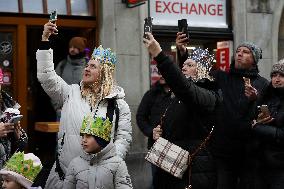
(147, 26)
(53, 17)
(183, 27)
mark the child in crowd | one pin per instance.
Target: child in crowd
(20, 171)
(98, 166)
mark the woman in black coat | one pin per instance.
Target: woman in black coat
(186, 122)
(270, 130)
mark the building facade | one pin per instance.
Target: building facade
(112, 24)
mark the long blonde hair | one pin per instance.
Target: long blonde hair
(100, 89)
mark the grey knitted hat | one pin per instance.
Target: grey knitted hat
(278, 67)
(255, 50)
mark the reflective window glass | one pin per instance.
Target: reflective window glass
(32, 6)
(79, 7)
(58, 5)
(11, 6)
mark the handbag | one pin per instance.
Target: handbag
(172, 158)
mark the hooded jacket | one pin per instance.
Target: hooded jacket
(74, 108)
(102, 170)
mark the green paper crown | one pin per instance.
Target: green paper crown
(26, 168)
(98, 126)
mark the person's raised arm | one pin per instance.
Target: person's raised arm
(186, 90)
(182, 53)
(53, 85)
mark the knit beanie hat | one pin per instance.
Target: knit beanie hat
(278, 67)
(255, 50)
(79, 43)
(101, 142)
(22, 168)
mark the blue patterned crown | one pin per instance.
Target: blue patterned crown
(105, 56)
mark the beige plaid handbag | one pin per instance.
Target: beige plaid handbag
(169, 157)
(172, 158)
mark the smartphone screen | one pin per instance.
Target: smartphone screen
(53, 17)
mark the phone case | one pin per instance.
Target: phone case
(183, 26)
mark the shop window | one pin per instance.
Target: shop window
(63, 7)
(80, 7)
(12, 6)
(58, 5)
(32, 6)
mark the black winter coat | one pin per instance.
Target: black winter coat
(234, 116)
(185, 125)
(150, 110)
(271, 134)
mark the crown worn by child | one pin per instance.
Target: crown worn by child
(20, 171)
(98, 166)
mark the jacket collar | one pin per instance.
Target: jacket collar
(105, 153)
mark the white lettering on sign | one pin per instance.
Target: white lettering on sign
(222, 57)
(199, 13)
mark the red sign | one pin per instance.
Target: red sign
(223, 55)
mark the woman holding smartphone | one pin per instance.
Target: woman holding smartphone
(12, 136)
(269, 130)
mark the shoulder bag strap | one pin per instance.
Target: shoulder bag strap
(192, 156)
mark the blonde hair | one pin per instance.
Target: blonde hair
(100, 89)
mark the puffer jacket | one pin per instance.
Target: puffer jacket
(187, 124)
(102, 170)
(73, 111)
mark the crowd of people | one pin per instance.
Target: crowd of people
(191, 98)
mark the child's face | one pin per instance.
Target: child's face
(89, 144)
(9, 183)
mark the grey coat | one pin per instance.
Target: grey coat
(102, 170)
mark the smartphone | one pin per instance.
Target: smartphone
(53, 17)
(147, 26)
(15, 119)
(247, 80)
(264, 109)
(183, 27)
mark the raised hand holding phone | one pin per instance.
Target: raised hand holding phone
(50, 28)
(183, 27)
(15, 119)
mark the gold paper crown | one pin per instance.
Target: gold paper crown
(105, 56)
(98, 126)
(26, 168)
